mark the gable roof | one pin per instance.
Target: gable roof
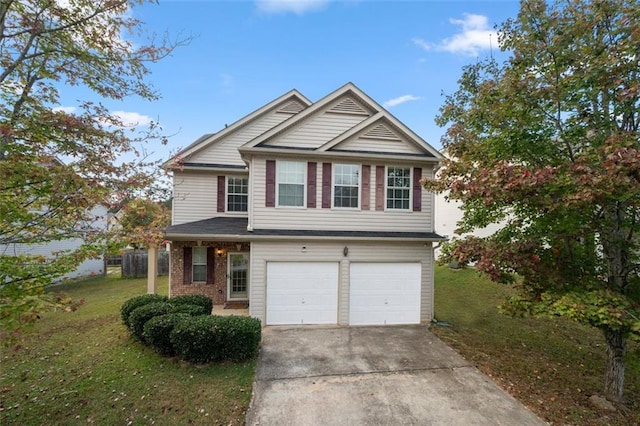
(291, 102)
(347, 99)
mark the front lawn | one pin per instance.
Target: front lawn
(83, 367)
(552, 366)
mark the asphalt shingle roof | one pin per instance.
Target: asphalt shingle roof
(231, 226)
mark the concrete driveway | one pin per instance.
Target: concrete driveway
(400, 375)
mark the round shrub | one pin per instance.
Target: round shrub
(144, 313)
(212, 338)
(196, 340)
(193, 299)
(239, 337)
(135, 302)
(193, 310)
(158, 329)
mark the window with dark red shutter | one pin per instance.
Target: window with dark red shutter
(270, 190)
(417, 189)
(186, 265)
(326, 185)
(221, 193)
(366, 187)
(312, 170)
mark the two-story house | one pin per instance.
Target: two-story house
(309, 213)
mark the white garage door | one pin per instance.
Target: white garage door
(302, 293)
(384, 293)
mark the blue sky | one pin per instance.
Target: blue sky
(404, 54)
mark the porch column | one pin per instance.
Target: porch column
(152, 270)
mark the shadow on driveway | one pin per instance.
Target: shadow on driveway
(401, 375)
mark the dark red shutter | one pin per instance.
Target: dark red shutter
(366, 187)
(186, 266)
(379, 187)
(312, 171)
(221, 193)
(417, 189)
(270, 190)
(326, 185)
(210, 264)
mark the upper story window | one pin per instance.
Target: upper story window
(290, 181)
(398, 188)
(237, 194)
(346, 185)
(199, 264)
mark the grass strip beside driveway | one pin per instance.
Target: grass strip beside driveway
(83, 367)
(552, 365)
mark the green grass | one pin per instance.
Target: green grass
(83, 367)
(552, 365)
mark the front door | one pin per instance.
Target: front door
(238, 273)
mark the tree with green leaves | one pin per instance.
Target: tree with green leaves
(548, 142)
(56, 164)
(142, 222)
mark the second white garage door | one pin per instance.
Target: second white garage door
(384, 293)
(302, 293)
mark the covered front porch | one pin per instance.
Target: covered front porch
(211, 257)
(217, 269)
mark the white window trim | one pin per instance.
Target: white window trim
(229, 254)
(386, 181)
(226, 195)
(333, 186)
(304, 185)
(206, 261)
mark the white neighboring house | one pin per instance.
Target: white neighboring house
(447, 215)
(87, 268)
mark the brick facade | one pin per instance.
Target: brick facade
(216, 291)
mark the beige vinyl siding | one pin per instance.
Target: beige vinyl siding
(273, 251)
(336, 218)
(225, 151)
(317, 131)
(195, 196)
(400, 146)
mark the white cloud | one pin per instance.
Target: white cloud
(400, 100)
(299, 7)
(132, 119)
(65, 109)
(475, 35)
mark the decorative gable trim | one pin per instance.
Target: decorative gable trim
(381, 132)
(348, 106)
(349, 90)
(293, 96)
(292, 107)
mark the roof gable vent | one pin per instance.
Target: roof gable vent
(292, 107)
(381, 132)
(349, 106)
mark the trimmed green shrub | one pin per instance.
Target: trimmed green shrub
(196, 340)
(193, 299)
(142, 314)
(213, 338)
(137, 301)
(193, 310)
(158, 330)
(239, 337)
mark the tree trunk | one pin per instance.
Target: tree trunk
(614, 375)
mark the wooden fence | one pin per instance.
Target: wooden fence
(134, 263)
